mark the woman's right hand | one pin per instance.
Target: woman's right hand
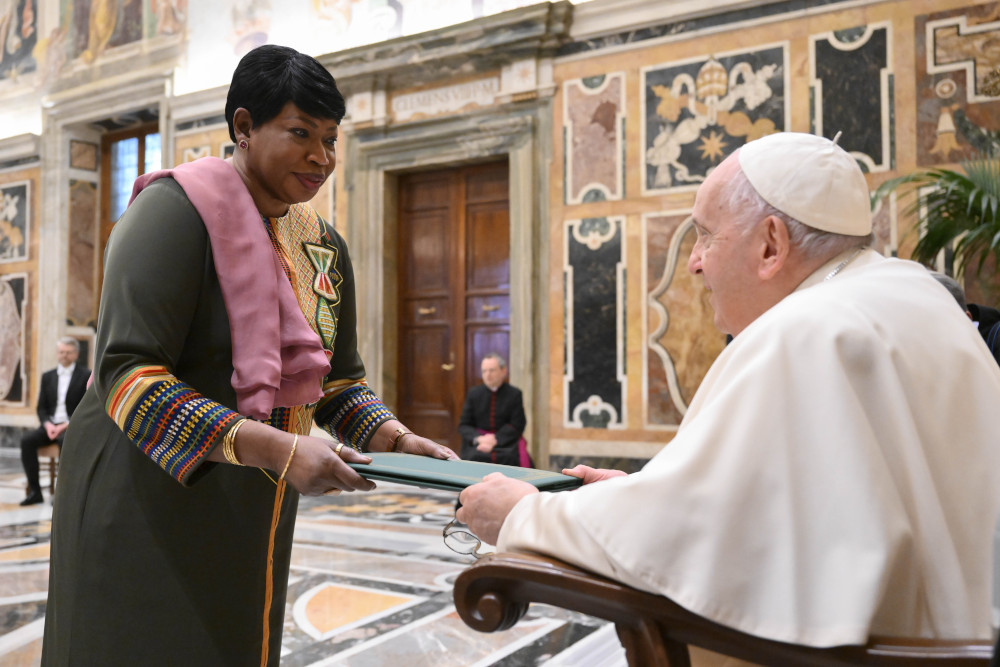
(316, 469)
(590, 475)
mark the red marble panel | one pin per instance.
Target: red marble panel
(594, 111)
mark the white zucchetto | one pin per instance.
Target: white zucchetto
(811, 179)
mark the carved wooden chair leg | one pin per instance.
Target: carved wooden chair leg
(645, 645)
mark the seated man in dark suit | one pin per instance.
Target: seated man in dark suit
(988, 322)
(493, 418)
(60, 392)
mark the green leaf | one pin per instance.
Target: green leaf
(956, 209)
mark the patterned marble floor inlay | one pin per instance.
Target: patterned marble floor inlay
(370, 585)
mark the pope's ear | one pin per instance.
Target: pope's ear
(775, 248)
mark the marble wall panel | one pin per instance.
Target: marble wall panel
(699, 111)
(594, 138)
(191, 144)
(196, 152)
(594, 274)
(955, 52)
(19, 252)
(15, 221)
(83, 155)
(81, 298)
(851, 92)
(13, 342)
(680, 337)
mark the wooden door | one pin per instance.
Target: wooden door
(454, 290)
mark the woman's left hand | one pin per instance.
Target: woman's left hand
(411, 443)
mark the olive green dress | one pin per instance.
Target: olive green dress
(160, 557)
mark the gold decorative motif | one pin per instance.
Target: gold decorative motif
(713, 80)
(991, 84)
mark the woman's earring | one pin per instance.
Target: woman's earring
(243, 144)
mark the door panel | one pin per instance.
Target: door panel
(425, 346)
(488, 253)
(431, 252)
(454, 290)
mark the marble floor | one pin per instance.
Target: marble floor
(370, 585)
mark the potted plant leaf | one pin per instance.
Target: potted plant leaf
(954, 209)
(958, 210)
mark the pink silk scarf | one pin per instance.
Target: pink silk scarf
(278, 360)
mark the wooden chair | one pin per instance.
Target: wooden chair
(51, 452)
(494, 593)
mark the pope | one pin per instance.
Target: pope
(835, 475)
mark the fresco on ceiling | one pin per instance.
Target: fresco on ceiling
(18, 37)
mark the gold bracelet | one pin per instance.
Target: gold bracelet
(229, 443)
(295, 443)
(400, 432)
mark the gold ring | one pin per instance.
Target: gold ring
(336, 450)
(333, 492)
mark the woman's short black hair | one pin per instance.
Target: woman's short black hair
(271, 76)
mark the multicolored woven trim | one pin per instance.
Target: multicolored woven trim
(355, 413)
(297, 419)
(168, 421)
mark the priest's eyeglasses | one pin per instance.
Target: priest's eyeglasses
(459, 539)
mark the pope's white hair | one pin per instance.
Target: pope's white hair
(750, 208)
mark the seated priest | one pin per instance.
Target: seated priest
(493, 421)
(837, 474)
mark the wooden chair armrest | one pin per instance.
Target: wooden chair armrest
(494, 593)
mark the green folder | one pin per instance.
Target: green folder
(454, 474)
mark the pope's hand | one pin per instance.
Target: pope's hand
(486, 505)
(590, 475)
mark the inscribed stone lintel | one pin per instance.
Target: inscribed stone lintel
(446, 99)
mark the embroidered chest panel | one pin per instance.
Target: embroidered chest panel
(312, 259)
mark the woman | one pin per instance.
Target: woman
(172, 532)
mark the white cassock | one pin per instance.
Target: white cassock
(836, 475)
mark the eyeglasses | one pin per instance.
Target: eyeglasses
(459, 539)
